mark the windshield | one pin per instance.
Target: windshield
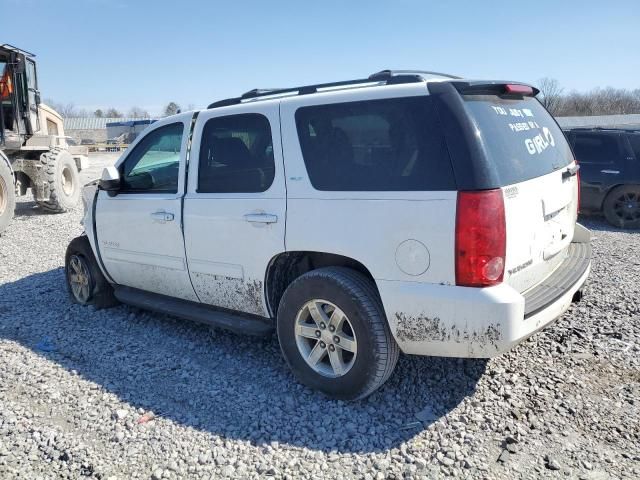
(520, 137)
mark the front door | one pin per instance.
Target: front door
(234, 212)
(139, 229)
(33, 96)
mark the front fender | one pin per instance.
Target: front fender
(89, 201)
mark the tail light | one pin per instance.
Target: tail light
(480, 238)
(518, 89)
(578, 183)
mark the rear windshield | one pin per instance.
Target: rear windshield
(521, 139)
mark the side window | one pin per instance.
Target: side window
(153, 164)
(52, 128)
(236, 155)
(377, 145)
(634, 140)
(600, 149)
(32, 80)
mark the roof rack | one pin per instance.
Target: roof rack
(384, 77)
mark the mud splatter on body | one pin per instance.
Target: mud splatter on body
(421, 328)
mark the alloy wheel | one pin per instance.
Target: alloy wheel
(80, 279)
(325, 338)
(627, 206)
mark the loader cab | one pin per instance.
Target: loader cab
(19, 96)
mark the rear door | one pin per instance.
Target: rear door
(234, 212)
(534, 166)
(602, 164)
(139, 230)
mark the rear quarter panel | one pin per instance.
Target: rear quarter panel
(382, 230)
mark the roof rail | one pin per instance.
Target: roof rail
(384, 77)
(382, 74)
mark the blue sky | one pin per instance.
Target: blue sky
(101, 53)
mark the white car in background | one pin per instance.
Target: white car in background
(405, 212)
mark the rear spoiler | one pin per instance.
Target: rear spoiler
(483, 87)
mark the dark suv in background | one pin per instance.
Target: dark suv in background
(609, 172)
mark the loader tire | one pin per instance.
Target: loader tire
(7, 194)
(64, 181)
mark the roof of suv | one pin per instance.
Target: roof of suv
(384, 77)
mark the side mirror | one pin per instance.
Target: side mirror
(110, 181)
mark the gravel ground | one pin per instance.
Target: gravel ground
(123, 393)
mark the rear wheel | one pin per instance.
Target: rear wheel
(334, 334)
(63, 179)
(622, 206)
(85, 282)
(7, 195)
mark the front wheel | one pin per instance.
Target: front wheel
(85, 282)
(622, 206)
(334, 334)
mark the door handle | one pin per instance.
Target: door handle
(611, 172)
(261, 218)
(163, 216)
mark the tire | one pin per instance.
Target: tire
(622, 206)
(7, 194)
(347, 292)
(64, 181)
(98, 290)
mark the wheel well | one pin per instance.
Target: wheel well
(286, 267)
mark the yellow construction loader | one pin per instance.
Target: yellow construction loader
(34, 153)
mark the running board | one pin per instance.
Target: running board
(197, 312)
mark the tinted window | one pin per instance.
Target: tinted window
(634, 140)
(378, 145)
(236, 155)
(153, 164)
(598, 148)
(521, 139)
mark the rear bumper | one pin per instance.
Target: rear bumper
(451, 321)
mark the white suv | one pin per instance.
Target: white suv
(405, 212)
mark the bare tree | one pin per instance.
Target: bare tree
(600, 101)
(112, 113)
(98, 113)
(171, 109)
(551, 94)
(66, 110)
(137, 112)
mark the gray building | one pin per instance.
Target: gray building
(93, 128)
